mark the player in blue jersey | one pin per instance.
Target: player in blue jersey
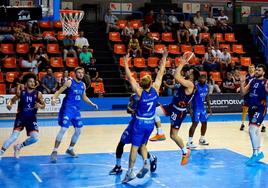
(126, 139)
(144, 121)
(250, 75)
(257, 91)
(70, 111)
(177, 109)
(30, 100)
(198, 111)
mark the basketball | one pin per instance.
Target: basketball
(190, 57)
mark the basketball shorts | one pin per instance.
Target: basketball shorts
(199, 116)
(126, 136)
(68, 116)
(142, 130)
(256, 115)
(29, 123)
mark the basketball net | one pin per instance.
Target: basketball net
(70, 21)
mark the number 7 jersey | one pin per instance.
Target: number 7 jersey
(147, 104)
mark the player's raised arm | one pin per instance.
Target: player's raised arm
(179, 77)
(88, 101)
(66, 85)
(159, 76)
(243, 87)
(40, 103)
(135, 86)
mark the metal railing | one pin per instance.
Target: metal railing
(261, 40)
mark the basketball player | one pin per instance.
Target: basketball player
(144, 121)
(257, 90)
(249, 77)
(126, 139)
(198, 111)
(177, 109)
(69, 111)
(30, 100)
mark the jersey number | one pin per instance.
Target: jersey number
(77, 97)
(150, 104)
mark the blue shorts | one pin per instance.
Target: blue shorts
(142, 130)
(126, 136)
(29, 123)
(68, 116)
(200, 116)
(256, 115)
(176, 116)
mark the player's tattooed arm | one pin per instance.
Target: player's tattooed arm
(158, 79)
(40, 103)
(134, 85)
(243, 87)
(12, 101)
(180, 78)
(60, 91)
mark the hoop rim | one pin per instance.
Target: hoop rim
(70, 11)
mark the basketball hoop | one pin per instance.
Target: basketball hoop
(70, 21)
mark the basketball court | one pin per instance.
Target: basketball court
(221, 164)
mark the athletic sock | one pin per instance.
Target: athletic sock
(190, 140)
(55, 149)
(129, 170)
(255, 152)
(202, 137)
(184, 150)
(118, 162)
(159, 131)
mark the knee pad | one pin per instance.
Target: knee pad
(34, 136)
(14, 135)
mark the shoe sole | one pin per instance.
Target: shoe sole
(203, 144)
(128, 180)
(115, 173)
(161, 139)
(144, 172)
(73, 156)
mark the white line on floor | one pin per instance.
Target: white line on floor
(37, 177)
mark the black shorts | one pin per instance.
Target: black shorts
(29, 123)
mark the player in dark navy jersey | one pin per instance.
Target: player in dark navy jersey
(30, 100)
(250, 75)
(177, 109)
(126, 138)
(70, 111)
(257, 92)
(144, 121)
(198, 111)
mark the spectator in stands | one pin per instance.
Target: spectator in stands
(127, 32)
(199, 22)
(173, 21)
(85, 57)
(149, 19)
(213, 87)
(68, 47)
(81, 41)
(211, 23)
(236, 76)
(64, 78)
(35, 31)
(143, 31)
(93, 72)
(147, 45)
(49, 82)
(225, 58)
(110, 21)
(231, 67)
(223, 22)
(134, 47)
(209, 61)
(30, 61)
(16, 85)
(183, 33)
(168, 82)
(19, 33)
(87, 81)
(193, 33)
(228, 85)
(42, 58)
(162, 21)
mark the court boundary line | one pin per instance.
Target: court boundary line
(37, 177)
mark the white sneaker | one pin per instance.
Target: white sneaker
(203, 142)
(190, 145)
(16, 151)
(129, 176)
(145, 169)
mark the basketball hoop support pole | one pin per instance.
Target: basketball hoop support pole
(56, 10)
